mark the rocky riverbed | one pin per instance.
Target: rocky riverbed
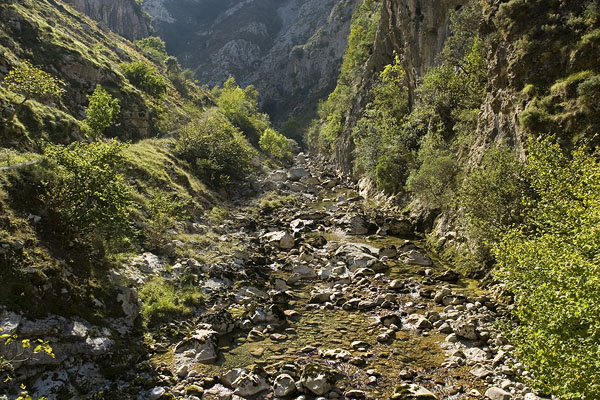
(326, 296)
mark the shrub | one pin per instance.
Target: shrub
(275, 144)
(240, 106)
(550, 263)
(216, 148)
(491, 194)
(145, 77)
(154, 48)
(163, 211)
(434, 182)
(87, 194)
(31, 82)
(101, 112)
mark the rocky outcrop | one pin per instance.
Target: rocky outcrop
(290, 50)
(124, 17)
(414, 29)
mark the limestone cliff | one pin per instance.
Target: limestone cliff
(124, 17)
(416, 30)
(290, 50)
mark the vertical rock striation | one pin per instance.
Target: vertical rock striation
(124, 17)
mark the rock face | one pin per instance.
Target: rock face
(291, 50)
(415, 29)
(124, 17)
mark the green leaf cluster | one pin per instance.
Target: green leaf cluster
(154, 48)
(216, 148)
(86, 193)
(32, 82)
(240, 106)
(101, 112)
(145, 77)
(551, 264)
(275, 144)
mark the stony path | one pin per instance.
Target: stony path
(346, 305)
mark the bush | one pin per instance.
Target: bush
(275, 144)
(101, 112)
(434, 182)
(87, 194)
(154, 48)
(491, 194)
(32, 82)
(550, 263)
(217, 149)
(241, 107)
(163, 212)
(145, 77)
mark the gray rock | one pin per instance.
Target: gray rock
(495, 393)
(156, 393)
(284, 240)
(200, 347)
(465, 328)
(304, 271)
(317, 379)
(356, 225)
(284, 385)
(130, 304)
(415, 257)
(295, 174)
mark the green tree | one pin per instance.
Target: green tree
(275, 144)
(101, 112)
(216, 148)
(145, 77)
(241, 108)
(86, 194)
(154, 48)
(551, 264)
(31, 82)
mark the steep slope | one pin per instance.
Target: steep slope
(123, 17)
(83, 55)
(291, 50)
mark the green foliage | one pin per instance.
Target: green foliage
(86, 193)
(434, 182)
(240, 106)
(550, 263)
(32, 82)
(15, 351)
(216, 148)
(275, 144)
(491, 194)
(162, 301)
(323, 133)
(163, 212)
(154, 48)
(145, 77)
(383, 151)
(101, 112)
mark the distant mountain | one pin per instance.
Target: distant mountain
(291, 50)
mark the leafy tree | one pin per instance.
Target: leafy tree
(551, 264)
(241, 108)
(275, 144)
(216, 148)
(433, 183)
(145, 77)
(154, 48)
(87, 195)
(101, 112)
(31, 82)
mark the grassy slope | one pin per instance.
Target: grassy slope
(74, 48)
